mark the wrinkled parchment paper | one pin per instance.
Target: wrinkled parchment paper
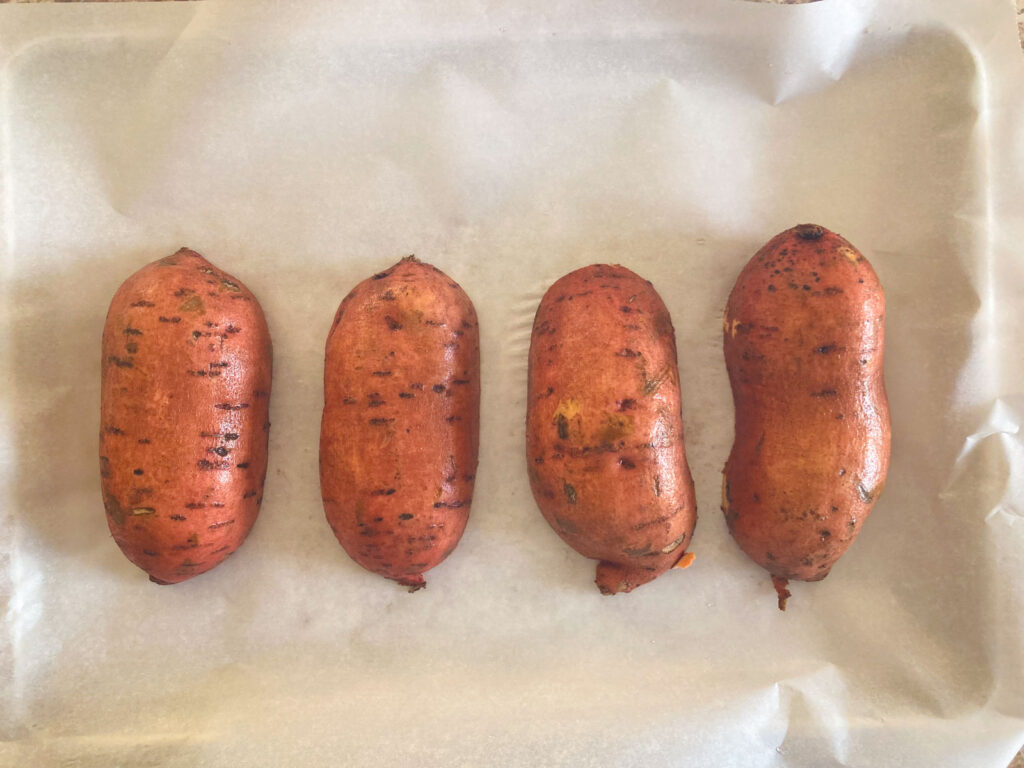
(303, 147)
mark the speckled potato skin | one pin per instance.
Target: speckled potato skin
(183, 416)
(604, 429)
(804, 336)
(400, 431)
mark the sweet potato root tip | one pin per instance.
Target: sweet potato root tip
(413, 583)
(784, 594)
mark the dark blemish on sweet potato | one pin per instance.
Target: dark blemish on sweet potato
(562, 426)
(627, 353)
(120, 362)
(393, 324)
(208, 466)
(405, 516)
(137, 472)
(638, 551)
(142, 303)
(230, 407)
(220, 450)
(180, 518)
(243, 465)
(657, 485)
(626, 404)
(651, 385)
(381, 373)
(381, 275)
(174, 319)
(416, 385)
(460, 382)
(406, 395)
(865, 495)
(195, 505)
(842, 472)
(566, 526)
(377, 422)
(769, 555)
(129, 331)
(150, 552)
(824, 533)
(193, 303)
(382, 492)
(626, 463)
(438, 388)
(657, 520)
(625, 310)
(809, 232)
(375, 403)
(569, 491)
(249, 494)
(825, 349)
(113, 431)
(824, 393)
(220, 524)
(349, 401)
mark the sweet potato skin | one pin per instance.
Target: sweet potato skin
(400, 431)
(185, 395)
(604, 430)
(804, 340)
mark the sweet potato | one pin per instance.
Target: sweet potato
(183, 417)
(604, 429)
(401, 421)
(804, 339)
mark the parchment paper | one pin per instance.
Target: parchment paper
(303, 147)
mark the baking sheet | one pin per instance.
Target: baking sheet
(303, 147)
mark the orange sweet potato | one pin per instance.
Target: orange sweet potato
(604, 429)
(804, 339)
(183, 416)
(400, 430)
